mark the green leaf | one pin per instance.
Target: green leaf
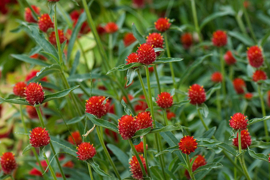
(126, 109)
(156, 172)
(15, 101)
(64, 145)
(170, 150)
(244, 39)
(131, 73)
(214, 16)
(50, 55)
(255, 120)
(83, 77)
(209, 133)
(258, 155)
(121, 156)
(58, 94)
(75, 63)
(167, 128)
(27, 59)
(142, 132)
(208, 167)
(163, 60)
(158, 50)
(27, 148)
(121, 20)
(102, 123)
(260, 144)
(124, 67)
(203, 109)
(212, 90)
(137, 35)
(75, 120)
(227, 148)
(264, 39)
(182, 103)
(97, 169)
(173, 27)
(46, 71)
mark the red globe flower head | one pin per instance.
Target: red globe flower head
(239, 121)
(129, 39)
(45, 22)
(76, 136)
(143, 120)
(259, 75)
(132, 58)
(151, 69)
(101, 30)
(164, 100)
(95, 105)
(138, 3)
(239, 85)
(28, 16)
(248, 96)
(268, 98)
(130, 97)
(19, 89)
(146, 54)
(135, 167)
(216, 77)
(198, 162)
(219, 38)
(39, 137)
(86, 151)
(187, 40)
(36, 172)
(111, 27)
(34, 93)
(162, 24)
(155, 40)
(187, 144)
(127, 126)
(112, 134)
(170, 115)
(255, 56)
(245, 139)
(8, 162)
(229, 59)
(74, 15)
(196, 94)
(61, 35)
(139, 147)
(32, 112)
(142, 105)
(33, 74)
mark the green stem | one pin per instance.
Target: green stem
(231, 73)
(165, 117)
(143, 87)
(157, 79)
(57, 38)
(90, 172)
(84, 56)
(110, 47)
(222, 67)
(51, 169)
(234, 169)
(218, 104)
(263, 112)
(194, 14)
(190, 168)
(240, 23)
(199, 113)
(248, 22)
(145, 155)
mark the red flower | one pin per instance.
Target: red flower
(139, 147)
(34, 93)
(132, 58)
(111, 27)
(259, 75)
(229, 59)
(32, 112)
(45, 22)
(36, 172)
(130, 97)
(196, 94)
(86, 151)
(248, 96)
(127, 126)
(33, 74)
(187, 40)
(219, 38)
(39, 137)
(8, 162)
(143, 120)
(101, 30)
(216, 77)
(74, 15)
(95, 105)
(155, 40)
(245, 139)
(142, 105)
(162, 24)
(164, 100)
(61, 35)
(129, 39)
(187, 144)
(239, 85)
(255, 56)
(28, 16)
(151, 69)
(76, 136)
(138, 3)
(239, 121)
(135, 167)
(19, 89)
(170, 115)
(198, 162)
(146, 54)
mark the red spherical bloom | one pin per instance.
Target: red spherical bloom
(76, 136)
(259, 75)
(36, 172)
(33, 74)
(135, 167)
(248, 96)
(187, 144)
(255, 56)
(229, 59)
(19, 89)
(32, 112)
(45, 22)
(34, 93)
(61, 35)
(151, 69)
(101, 30)
(138, 3)
(162, 24)
(164, 100)
(139, 147)
(39, 137)
(170, 115)
(198, 162)
(130, 97)
(112, 134)
(127, 126)
(129, 39)
(187, 40)
(239, 121)
(245, 139)
(132, 58)
(146, 54)
(28, 16)
(95, 105)
(216, 77)
(8, 162)
(155, 40)
(196, 94)
(111, 27)
(142, 105)
(239, 85)
(143, 120)
(219, 38)
(86, 151)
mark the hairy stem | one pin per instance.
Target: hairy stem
(195, 19)
(145, 155)
(90, 171)
(50, 167)
(263, 112)
(190, 168)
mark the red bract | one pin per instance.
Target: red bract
(238, 121)
(86, 151)
(75, 136)
(19, 89)
(245, 139)
(33, 74)
(135, 167)
(39, 137)
(139, 147)
(229, 59)
(239, 85)
(129, 39)
(45, 22)
(170, 115)
(162, 24)
(28, 16)
(111, 27)
(187, 144)
(255, 56)
(196, 94)
(187, 40)
(198, 162)
(219, 38)
(142, 105)
(95, 105)
(216, 77)
(146, 54)
(52, 37)
(8, 162)
(248, 96)
(126, 126)
(32, 112)
(143, 120)
(36, 172)
(155, 40)
(132, 58)
(164, 100)
(74, 15)
(259, 75)
(34, 93)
